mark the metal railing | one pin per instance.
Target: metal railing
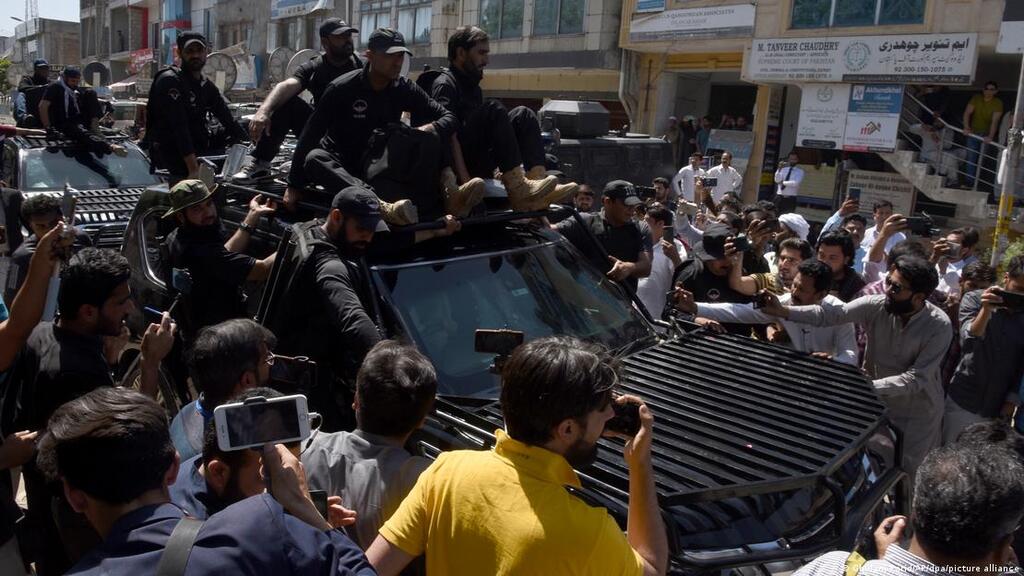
(965, 160)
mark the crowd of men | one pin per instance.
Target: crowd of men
(114, 486)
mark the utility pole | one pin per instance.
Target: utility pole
(1013, 154)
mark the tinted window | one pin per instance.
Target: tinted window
(540, 290)
(51, 168)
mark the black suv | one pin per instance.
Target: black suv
(762, 454)
(108, 186)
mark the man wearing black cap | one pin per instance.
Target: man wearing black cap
(176, 113)
(490, 136)
(326, 316)
(626, 254)
(290, 113)
(62, 108)
(30, 91)
(333, 147)
(706, 275)
(218, 267)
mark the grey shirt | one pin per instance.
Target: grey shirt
(371, 473)
(903, 361)
(991, 364)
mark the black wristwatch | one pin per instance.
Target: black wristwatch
(245, 227)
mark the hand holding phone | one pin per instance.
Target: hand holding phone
(259, 421)
(1011, 300)
(627, 417)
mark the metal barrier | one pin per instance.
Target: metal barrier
(973, 162)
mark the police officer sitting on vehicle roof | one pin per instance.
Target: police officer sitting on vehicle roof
(284, 111)
(327, 301)
(490, 136)
(626, 244)
(30, 91)
(355, 138)
(176, 113)
(218, 267)
(63, 108)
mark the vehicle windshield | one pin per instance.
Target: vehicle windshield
(540, 290)
(51, 168)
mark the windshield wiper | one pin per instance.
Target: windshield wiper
(635, 345)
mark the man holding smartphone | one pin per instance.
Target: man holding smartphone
(952, 254)
(985, 383)
(725, 177)
(507, 510)
(111, 451)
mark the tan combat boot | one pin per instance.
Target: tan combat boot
(401, 213)
(562, 191)
(460, 200)
(528, 195)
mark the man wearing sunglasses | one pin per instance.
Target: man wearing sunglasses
(907, 339)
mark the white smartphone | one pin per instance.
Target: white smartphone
(259, 421)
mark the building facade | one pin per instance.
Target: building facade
(120, 39)
(54, 40)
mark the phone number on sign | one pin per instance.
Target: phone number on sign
(920, 69)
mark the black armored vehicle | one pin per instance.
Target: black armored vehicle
(107, 187)
(764, 457)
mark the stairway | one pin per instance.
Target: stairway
(971, 205)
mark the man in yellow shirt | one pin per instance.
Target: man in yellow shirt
(507, 511)
(981, 122)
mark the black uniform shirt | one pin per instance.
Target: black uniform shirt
(61, 112)
(349, 111)
(217, 273)
(176, 113)
(624, 242)
(458, 92)
(316, 74)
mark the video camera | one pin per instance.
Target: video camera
(645, 192)
(922, 226)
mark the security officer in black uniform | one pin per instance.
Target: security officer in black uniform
(284, 111)
(332, 148)
(179, 102)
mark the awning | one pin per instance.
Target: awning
(124, 84)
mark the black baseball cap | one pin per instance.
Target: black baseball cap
(335, 26)
(187, 38)
(361, 204)
(72, 72)
(712, 246)
(41, 63)
(622, 190)
(388, 41)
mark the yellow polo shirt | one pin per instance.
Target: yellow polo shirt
(506, 511)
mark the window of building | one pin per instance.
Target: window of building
(557, 17)
(414, 21)
(842, 13)
(373, 15)
(502, 18)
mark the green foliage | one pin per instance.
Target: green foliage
(5, 86)
(1016, 248)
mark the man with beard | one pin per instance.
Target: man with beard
(225, 360)
(176, 113)
(283, 111)
(809, 287)
(489, 136)
(30, 91)
(63, 360)
(511, 502)
(363, 109)
(907, 339)
(706, 273)
(327, 318)
(218, 267)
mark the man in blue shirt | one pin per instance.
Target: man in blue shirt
(113, 454)
(226, 359)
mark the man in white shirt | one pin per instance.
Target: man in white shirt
(668, 254)
(788, 177)
(684, 181)
(729, 180)
(810, 287)
(953, 254)
(881, 211)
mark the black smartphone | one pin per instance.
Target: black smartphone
(1011, 300)
(772, 224)
(853, 193)
(921, 225)
(710, 182)
(669, 233)
(500, 342)
(319, 498)
(627, 418)
(761, 299)
(741, 243)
